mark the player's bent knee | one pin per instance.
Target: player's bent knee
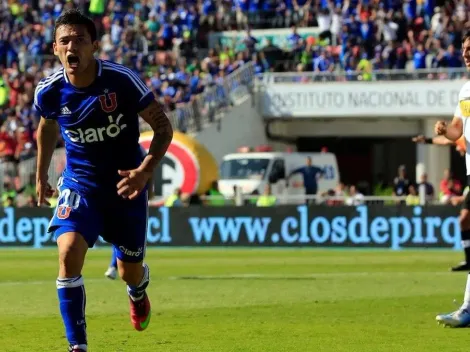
(131, 273)
(72, 250)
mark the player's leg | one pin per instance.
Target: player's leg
(111, 273)
(126, 226)
(137, 277)
(464, 221)
(461, 317)
(76, 224)
(70, 287)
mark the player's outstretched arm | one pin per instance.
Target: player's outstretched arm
(438, 140)
(47, 133)
(441, 140)
(162, 135)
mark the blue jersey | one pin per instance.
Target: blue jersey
(99, 124)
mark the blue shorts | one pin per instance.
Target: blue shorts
(121, 222)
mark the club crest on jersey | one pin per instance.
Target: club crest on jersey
(63, 211)
(108, 101)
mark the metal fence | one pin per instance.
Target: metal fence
(379, 75)
(24, 172)
(27, 168)
(242, 200)
(209, 106)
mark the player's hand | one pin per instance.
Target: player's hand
(440, 128)
(419, 139)
(133, 182)
(43, 191)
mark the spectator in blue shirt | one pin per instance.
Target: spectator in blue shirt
(419, 57)
(294, 39)
(322, 63)
(453, 57)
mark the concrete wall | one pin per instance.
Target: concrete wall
(242, 125)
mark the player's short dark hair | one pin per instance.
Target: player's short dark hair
(465, 36)
(76, 17)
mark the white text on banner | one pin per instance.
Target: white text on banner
(361, 99)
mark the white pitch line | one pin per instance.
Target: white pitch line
(303, 276)
(252, 276)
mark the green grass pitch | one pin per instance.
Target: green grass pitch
(240, 300)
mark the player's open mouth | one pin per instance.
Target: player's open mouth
(73, 61)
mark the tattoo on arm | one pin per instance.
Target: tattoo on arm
(163, 132)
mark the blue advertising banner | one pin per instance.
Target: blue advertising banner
(283, 226)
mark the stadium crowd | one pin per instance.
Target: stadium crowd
(166, 43)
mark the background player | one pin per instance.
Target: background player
(103, 187)
(111, 273)
(454, 131)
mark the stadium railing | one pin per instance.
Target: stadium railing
(209, 106)
(26, 168)
(379, 75)
(241, 200)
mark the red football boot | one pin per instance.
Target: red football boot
(140, 313)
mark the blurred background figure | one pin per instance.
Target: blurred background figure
(267, 199)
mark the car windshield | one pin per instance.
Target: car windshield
(248, 168)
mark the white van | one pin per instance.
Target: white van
(252, 171)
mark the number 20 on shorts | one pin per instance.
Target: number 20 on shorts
(71, 200)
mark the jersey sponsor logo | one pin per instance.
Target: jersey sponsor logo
(465, 107)
(108, 102)
(131, 253)
(100, 134)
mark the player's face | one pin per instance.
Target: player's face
(74, 47)
(466, 53)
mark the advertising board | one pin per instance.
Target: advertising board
(282, 226)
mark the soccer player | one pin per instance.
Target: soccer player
(111, 273)
(96, 105)
(453, 131)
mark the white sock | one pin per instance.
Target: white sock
(136, 293)
(466, 299)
